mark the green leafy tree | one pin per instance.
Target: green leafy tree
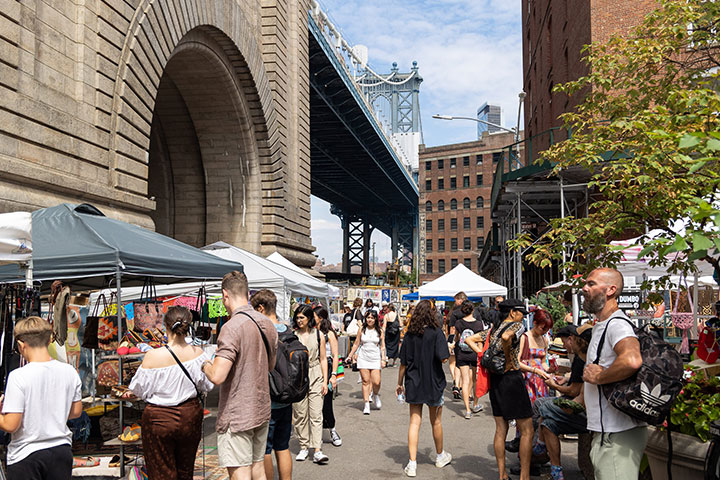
(648, 131)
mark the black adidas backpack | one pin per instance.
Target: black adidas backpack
(289, 380)
(493, 359)
(647, 395)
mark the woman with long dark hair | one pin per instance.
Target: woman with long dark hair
(392, 328)
(172, 420)
(368, 352)
(307, 413)
(333, 361)
(421, 379)
(465, 357)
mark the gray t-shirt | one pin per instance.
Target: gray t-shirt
(43, 392)
(613, 420)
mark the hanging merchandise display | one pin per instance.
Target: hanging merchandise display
(90, 337)
(201, 317)
(148, 310)
(683, 321)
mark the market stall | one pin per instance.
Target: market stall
(461, 279)
(87, 250)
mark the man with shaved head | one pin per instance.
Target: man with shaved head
(619, 440)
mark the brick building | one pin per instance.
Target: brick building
(455, 183)
(554, 33)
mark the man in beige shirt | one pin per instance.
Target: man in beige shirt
(241, 367)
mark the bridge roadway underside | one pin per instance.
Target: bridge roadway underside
(353, 165)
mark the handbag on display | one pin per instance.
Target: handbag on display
(148, 311)
(108, 326)
(708, 348)
(682, 320)
(90, 337)
(201, 317)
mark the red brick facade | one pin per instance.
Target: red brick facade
(469, 222)
(554, 33)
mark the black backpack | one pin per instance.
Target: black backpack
(493, 360)
(289, 380)
(647, 395)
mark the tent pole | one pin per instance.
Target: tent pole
(118, 300)
(518, 265)
(562, 215)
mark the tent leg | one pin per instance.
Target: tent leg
(118, 280)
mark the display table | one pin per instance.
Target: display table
(709, 369)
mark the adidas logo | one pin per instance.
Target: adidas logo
(653, 397)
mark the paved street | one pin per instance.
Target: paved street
(375, 446)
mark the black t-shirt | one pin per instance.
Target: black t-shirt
(576, 370)
(424, 375)
(453, 317)
(462, 351)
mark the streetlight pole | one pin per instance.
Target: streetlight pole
(514, 131)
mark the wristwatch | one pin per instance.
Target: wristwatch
(333, 374)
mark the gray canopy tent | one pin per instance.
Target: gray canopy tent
(86, 249)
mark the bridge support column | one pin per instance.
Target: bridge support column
(395, 241)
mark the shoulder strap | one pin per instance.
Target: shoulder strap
(602, 337)
(317, 333)
(262, 334)
(182, 367)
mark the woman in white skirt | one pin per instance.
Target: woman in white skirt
(368, 352)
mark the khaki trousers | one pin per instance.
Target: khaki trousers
(307, 413)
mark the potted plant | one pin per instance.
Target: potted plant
(697, 405)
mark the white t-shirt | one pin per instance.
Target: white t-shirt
(612, 419)
(43, 392)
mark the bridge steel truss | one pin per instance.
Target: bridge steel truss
(354, 166)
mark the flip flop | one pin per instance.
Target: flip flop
(79, 462)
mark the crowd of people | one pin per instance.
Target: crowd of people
(525, 390)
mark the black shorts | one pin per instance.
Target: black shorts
(463, 361)
(508, 396)
(279, 430)
(53, 463)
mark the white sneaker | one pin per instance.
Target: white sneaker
(443, 459)
(335, 438)
(366, 410)
(411, 470)
(320, 457)
(378, 403)
(302, 455)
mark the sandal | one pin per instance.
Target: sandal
(85, 462)
(115, 461)
(131, 433)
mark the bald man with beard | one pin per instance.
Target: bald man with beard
(619, 440)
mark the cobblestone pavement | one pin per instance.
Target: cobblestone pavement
(375, 445)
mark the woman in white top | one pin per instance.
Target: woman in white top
(368, 352)
(172, 420)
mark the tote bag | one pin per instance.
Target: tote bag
(148, 311)
(482, 382)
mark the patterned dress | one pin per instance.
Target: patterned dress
(536, 386)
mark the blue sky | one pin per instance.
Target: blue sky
(468, 52)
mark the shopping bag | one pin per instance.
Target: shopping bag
(90, 337)
(708, 348)
(201, 317)
(148, 310)
(108, 326)
(482, 382)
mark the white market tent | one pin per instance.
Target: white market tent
(461, 279)
(332, 291)
(16, 241)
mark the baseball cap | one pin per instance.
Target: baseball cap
(567, 331)
(513, 304)
(584, 331)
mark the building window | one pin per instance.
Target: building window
(497, 156)
(428, 165)
(480, 242)
(468, 263)
(453, 224)
(478, 179)
(453, 204)
(441, 164)
(441, 206)
(466, 202)
(466, 161)
(478, 159)
(453, 183)
(453, 263)
(466, 223)
(441, 244)
(441, 225)
(441, 266)
(453, 162)
(428, 266)
(453, 244)
(466, 244)
(428, 225)
(441, 184)
(428, 185)
(466, 181)
(480, 222)
(428, 245)
(480, 203)
(428, 206)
